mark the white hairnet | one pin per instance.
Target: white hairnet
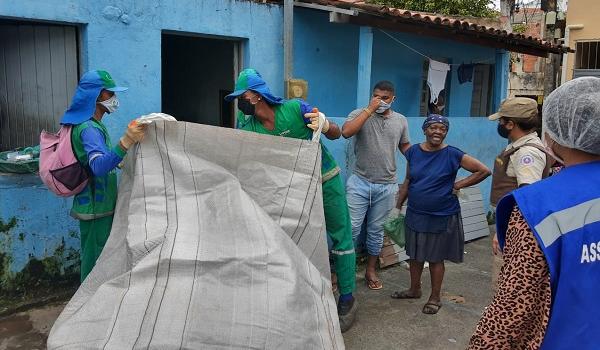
(571, 115)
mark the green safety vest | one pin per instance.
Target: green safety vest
(289, 122)
(99, 197)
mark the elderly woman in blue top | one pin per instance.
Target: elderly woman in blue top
(433, 223)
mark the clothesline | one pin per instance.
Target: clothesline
(429, 58)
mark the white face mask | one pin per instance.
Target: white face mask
(383, 106)
(550, 152)
(112, 104)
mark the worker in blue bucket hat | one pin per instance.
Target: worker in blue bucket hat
(264, 113)
(95, 204)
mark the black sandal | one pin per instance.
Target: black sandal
(405, 294)
(431, 308)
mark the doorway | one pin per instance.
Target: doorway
(197, 72)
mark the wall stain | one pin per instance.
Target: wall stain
(39, 278)
(7, 226)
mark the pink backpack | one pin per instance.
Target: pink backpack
(60, 170)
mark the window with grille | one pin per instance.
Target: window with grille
(587, 55)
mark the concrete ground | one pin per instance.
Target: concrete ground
(383, 323)
(386, 323)
(29, 330)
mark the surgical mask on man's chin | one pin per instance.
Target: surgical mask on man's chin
(550, 152)
(111, 104)
(383, 106)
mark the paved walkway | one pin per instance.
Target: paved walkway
(383, 323)
(386, 323)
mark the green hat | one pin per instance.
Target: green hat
(84, 100)
(250, 79)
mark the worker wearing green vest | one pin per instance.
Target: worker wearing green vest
(264, 113)
(95, 204)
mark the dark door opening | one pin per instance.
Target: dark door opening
(197, 72)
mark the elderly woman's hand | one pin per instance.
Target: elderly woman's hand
(456, 189)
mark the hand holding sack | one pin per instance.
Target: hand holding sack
(317, 118)
(134, 134)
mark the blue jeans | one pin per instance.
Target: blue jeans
(373, 201)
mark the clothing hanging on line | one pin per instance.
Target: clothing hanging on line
(436, 78)
(465, 73)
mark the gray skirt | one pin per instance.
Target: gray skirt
(437, 247)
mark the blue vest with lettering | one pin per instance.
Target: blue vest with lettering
(563, 212)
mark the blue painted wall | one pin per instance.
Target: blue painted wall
(124, 38)
(41, 222)
(326, 55)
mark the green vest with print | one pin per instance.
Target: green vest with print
(289, 122)
(99, 197)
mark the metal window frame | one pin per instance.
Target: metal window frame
(580, 46)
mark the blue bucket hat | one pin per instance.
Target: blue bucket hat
(250, 79)
(83, 104)
(435, 119)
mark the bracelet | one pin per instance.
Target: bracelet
(367, 110)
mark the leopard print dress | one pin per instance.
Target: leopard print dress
(518, 315)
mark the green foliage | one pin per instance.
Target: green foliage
(519, 28)
(473, 8)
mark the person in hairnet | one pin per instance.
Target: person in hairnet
(95, 204)
(266, 114)
(550, 233)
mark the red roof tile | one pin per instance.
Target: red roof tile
(514, 40)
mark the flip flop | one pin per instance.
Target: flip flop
(431, 308)
(405, 294)
(374, 284)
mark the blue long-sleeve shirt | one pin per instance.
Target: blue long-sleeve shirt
(100, 159)
(305, 108)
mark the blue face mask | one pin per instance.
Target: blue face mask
(383, 106)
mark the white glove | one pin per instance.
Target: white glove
(316, 119)
(133, 134)
(149, 118)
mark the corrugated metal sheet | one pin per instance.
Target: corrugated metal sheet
(38, 76)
